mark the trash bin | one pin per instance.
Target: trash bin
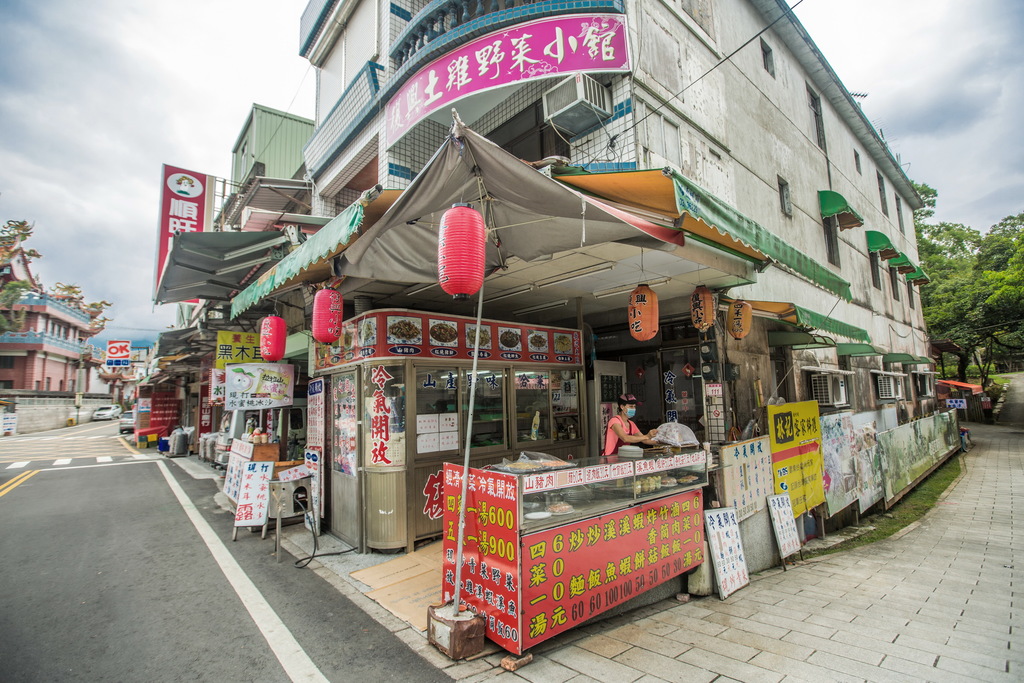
(162, 444)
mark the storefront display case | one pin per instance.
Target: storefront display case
(403, 379)
(549, 544)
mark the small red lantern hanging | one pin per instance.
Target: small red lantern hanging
(740, 316)
(272, 338)
(702, 308)
(461, 248)
(643, 313)
(327, 316)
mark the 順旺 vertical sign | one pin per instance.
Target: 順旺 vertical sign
(186, 205)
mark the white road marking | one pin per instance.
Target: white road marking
(18, 465)
(62, 461)
(297, 664)
(104, 458)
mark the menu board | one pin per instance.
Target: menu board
(747, 475)
(726, 550)
(490, 561)
(254, 494)
(576, 571)
(390, 333)
(784, 524)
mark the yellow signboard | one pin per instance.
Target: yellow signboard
(237, 347)
(794, 432)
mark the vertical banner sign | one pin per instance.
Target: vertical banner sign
(312, 458)
(747, 475)
(218, 390)
(345, 424)
(186, 205)
(576, 571)
(784, 524)
(490, 560)
(254, 494)
(726, 549)
(795, 433)
(119, 354)
(316, 412)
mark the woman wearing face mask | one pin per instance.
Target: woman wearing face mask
(622, 430)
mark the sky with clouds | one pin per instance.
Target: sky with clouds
(96, 96)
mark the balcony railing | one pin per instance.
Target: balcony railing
(41, 299)
(41, 338)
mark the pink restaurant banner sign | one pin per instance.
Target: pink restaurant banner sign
(536, 49)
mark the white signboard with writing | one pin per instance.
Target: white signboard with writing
(313, 456)
(254, 494)
(746, 475)
(960, 403)
(726, 547)
(781, 510)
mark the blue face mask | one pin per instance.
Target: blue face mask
(630, 412)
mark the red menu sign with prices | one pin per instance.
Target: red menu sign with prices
(490, 562)
(574, 572)
(396, 333)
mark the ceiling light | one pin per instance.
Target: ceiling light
(629, 288)
(416, 289)
(574, 274)
(508, 293)
(541, 307)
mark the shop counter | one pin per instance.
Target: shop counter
(550, 547)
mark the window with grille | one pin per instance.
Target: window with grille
(814, 102)
(924, 384)
(881, 194)
(876, 270)
(785, 203)
(767, 58)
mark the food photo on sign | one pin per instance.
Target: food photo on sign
(259, 385)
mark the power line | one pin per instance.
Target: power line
(725, 59)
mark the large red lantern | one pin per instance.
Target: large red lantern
(740, 317)
(643, 313)
(272, 338)
(327, 316)
(702, 308)
(461, 246)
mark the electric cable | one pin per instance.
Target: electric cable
(304, 562)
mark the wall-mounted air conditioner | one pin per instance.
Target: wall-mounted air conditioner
(889, 387)
(577, 104)
(829, 389)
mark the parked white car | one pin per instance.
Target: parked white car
(111, 412)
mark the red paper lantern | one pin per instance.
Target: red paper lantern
(461, 247)
(272, 338)
(702, 308)
(327, 316)
(741, 314)
(643, 313)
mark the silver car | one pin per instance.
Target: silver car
(111, 412)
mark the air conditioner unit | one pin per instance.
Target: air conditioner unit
(889, 387)
(829, 389)
(577, 104)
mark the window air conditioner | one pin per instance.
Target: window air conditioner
(829, 389)
(577, 104)
(889, 387)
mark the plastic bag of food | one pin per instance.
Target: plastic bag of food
(675, 434)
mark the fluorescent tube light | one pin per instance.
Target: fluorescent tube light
(629, 288)
(541, 307)
(511, 292)
(574, 274)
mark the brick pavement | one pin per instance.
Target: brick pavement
(934, 603)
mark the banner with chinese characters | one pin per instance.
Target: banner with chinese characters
(256, 386)
(490, 570)
(726, 548)
(400, 333)
(543, 48)
(795, 434)
(344, 424)
(384, 415)
(254, 494)
(237, 347)
(746, 475)
(576, 571)
(784, 525)
(186, 205)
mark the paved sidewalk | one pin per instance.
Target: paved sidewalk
(934, 603)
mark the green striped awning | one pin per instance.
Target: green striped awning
(807, 319)
(701, 204)
(858, 350)
(834, 205)
(918, 277)
(880, 242)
